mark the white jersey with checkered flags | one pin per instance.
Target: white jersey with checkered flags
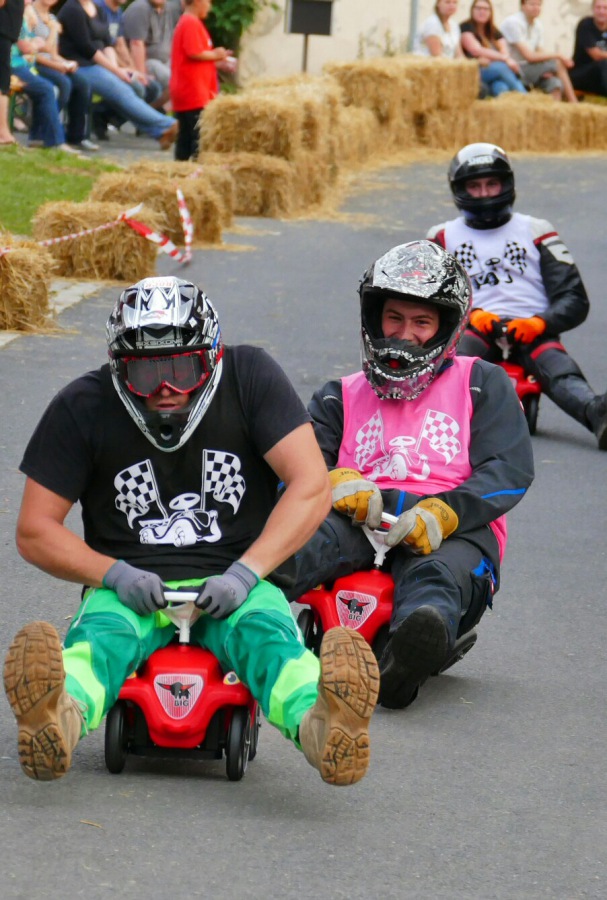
(504, 263)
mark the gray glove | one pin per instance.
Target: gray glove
(222, 594)
(141, 591)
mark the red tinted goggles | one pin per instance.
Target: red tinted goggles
(182, 373)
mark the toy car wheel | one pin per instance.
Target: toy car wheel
(305, 620)
(463, 645)
(116, 743)
(531, 405)
(256, 725)
(239, 743)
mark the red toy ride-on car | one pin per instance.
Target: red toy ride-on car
(363, 601)
(527, 388)
(181, 704)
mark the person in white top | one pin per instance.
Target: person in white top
(439, 35)
(523, 279)
(524, 34)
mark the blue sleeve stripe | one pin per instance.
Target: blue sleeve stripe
(401, 502)
(498, 493)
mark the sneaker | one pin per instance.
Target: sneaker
(35, 145)
(334, 733)
(65, 148)
(49, 720)
(169, 136)
(418, 647)
(88, 145)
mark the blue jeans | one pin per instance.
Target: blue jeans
(75, 97)
(499, 78)
(120, 97)
(46, 125)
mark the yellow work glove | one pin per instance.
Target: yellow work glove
(526, 330)
(356, 497)
(424, 527)
(483, 321)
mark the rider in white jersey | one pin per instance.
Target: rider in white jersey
(522, 272)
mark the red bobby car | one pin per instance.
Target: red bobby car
(363, 601)
(527, 388)
(181, 704)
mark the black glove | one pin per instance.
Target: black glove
(141, 591)
(222, 594)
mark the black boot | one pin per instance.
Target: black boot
(597, 417)
(418, 648)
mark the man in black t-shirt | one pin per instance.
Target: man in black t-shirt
(174, 451)
(590, 54)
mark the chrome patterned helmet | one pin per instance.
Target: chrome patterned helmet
(165, 332)
(421, 272)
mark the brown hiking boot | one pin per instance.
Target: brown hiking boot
(334, 733)
(49, 720)
(169, 136)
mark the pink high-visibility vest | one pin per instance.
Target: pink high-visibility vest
(420, 446)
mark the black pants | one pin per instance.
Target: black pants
(186, 146)
(5, 64)
(591, 77)
(546, 359)
(458, 579)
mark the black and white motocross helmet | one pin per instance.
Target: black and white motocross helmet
(481, 161)
(165, 332)
(421, 272)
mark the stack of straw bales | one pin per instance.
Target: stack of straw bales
(114, 254)
(158, 192)
(281, 138)
(25, 280)
(216, 178)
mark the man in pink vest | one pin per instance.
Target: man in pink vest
(523, 274)
(439, 441)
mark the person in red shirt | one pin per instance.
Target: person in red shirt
(194, 64)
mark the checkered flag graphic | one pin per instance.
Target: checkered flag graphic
(137, 491)
(466, 255)
(516, 256)
(367, 438)
(221, 479)
(440, 431)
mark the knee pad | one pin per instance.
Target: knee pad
(551, 361)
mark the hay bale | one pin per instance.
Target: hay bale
(253, 123)
(115, 254)
(357, 135)
(25, 281)
(264, 185)
(218, 178)
(160, 195)
(375, 84)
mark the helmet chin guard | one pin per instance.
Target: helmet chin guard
(422, 273)
(159, 317)
(482, 161)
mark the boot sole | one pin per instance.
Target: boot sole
(33, 681)
(417, 648)
(350, 679)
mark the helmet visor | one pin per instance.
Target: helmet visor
(182, 373)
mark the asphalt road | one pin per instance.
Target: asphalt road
(492, 784)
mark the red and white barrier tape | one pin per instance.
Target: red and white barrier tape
(162, 242)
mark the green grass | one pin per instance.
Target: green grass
(29, 178)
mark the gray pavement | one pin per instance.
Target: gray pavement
(492, 784)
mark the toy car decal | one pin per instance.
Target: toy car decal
(178, 693)
(354, 608)
(186, 519)
(231, 678)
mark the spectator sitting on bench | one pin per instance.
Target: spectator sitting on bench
(539, 69)
(589, 73)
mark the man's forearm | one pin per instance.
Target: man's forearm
(59, 552)
(139, 55)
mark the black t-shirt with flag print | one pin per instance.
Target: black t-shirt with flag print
(185, 514)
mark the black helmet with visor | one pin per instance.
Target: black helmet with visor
(482, 161)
